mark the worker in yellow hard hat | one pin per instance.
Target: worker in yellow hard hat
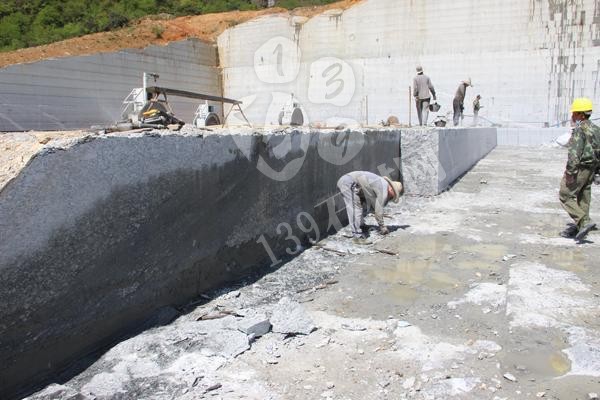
(582, 165)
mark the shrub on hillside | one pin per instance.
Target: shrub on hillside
(32, 23)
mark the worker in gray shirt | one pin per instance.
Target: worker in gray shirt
(422, 91)
(362, 189)
(459, 100)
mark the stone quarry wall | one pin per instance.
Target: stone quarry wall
(433, 159)
(77, 92)
(459, 150)
(97, 233)
(528, 59)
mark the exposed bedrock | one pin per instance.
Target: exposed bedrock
(96, 235)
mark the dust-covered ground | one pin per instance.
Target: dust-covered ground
(472, 296)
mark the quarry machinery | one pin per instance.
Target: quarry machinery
(205, 115)
(291, 113)
(148, 107)
(143, 108)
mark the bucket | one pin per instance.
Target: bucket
(435, 107)
(440, 121)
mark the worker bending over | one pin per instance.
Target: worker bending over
(458, 104)
(366, 189)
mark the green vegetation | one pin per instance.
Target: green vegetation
(158, 31)
(26, 23)
(290, 4)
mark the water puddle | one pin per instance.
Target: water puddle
(407, 272)
(487, 252)
(480, 257)
(426, 246)
(541, 361)
(433, 263)
(414, 273)
(472, 264)
(560, 363)
(441, 280)
(404, 294)
(571, 260)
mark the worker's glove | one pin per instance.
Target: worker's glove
(597, 179)
(384, 230)
(570, 179)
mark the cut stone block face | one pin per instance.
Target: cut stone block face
(433, 159)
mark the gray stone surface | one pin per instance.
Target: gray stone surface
(98, 233)
(290, 317)
(56, 391)
(459, 150)
(229, 343)
(255, 325)
(545, 333)
(420, 161)
(77, 92)
(529, 136)
(433, 159)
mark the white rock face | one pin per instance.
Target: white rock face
(526, 59)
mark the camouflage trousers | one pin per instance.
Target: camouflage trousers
(576, 198)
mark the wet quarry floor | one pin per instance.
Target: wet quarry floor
(472, 296)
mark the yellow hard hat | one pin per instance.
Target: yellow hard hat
(581, 104)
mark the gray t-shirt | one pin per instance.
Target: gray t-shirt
(422, 86)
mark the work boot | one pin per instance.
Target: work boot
(364, 228)
(569, 232)
(585, 230)
(361, 240)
